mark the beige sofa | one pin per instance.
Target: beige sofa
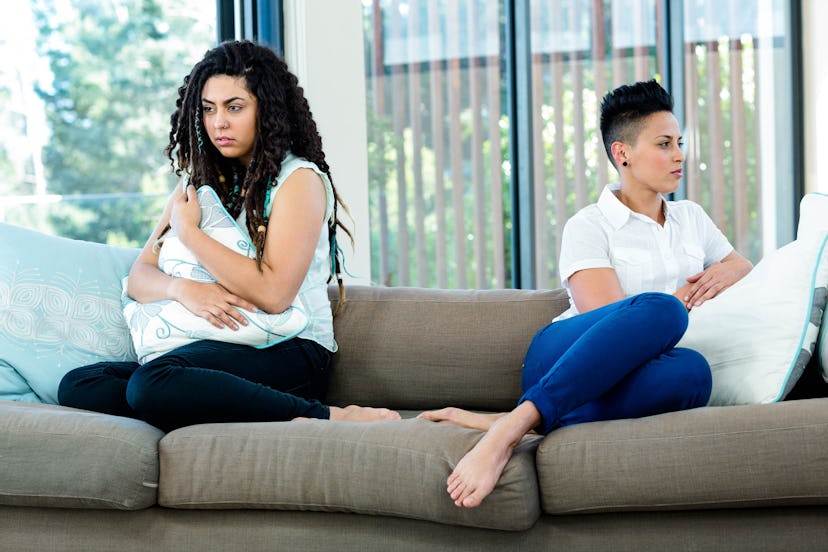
(718, 478)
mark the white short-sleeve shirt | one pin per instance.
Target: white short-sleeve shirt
(645, 255)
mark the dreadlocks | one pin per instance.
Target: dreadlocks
(285, 123)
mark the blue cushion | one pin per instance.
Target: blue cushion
(13, 387)
(60, 308)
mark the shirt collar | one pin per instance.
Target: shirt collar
(616, 212)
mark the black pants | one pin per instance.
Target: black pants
(207, 381)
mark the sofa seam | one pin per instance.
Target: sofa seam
(695, 505)
(459, 301)
(678, 437)
(284, 506)
(71, 434)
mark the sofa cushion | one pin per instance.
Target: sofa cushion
(714, 457)
(411, 348)
(60, 308)
(60, 457)
(396, 468)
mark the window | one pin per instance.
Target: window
(88, 90)
(739, 129)
(438, 144)
(580, 51)
(450, 81)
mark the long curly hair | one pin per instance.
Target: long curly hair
(284, 124)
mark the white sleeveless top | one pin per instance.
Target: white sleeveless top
(313, 293)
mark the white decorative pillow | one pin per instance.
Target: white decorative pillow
(161, 326)
(759, 334)
(813, 214)
(813, 218)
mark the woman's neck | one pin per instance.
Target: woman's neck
(644, 202)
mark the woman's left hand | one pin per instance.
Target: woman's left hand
(715, 279)
(186, 212)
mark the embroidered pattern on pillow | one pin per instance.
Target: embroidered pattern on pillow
(60, 308)
(161, 326)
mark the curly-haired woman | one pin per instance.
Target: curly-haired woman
(242, 126)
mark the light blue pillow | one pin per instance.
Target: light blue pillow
(60, 308)
(13, 387)
(161, 326)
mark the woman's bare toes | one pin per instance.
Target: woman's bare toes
(354, 413)
(460, 417)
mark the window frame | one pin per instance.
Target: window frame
(259, 20)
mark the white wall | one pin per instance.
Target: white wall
(324, 49)
(815, 67)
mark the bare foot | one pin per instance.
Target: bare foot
(354, 413)
(462, 418)
(477, 473)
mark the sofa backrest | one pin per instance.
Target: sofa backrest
(416, 348)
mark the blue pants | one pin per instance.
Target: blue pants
(618, 361)
(207, 381)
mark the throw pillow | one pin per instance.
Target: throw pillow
(60, 308)
(813, 214)
(759, 334)
(13, 387)
(813, 218)
(161, 326)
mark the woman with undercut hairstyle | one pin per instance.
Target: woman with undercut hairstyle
(633, 264)
(243, 127)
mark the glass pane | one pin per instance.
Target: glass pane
(438, 143)
(737, 75)
(88, 88)
(581, 49)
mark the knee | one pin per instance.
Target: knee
(693, 377)
(139, 390)
(663, 304)
(73, 389)
(66, 388)
(664, 311)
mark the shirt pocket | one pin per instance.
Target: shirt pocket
(692, 261)
(633, 267)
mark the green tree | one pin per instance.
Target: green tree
(116, 69)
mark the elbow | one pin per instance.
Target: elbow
(276, 305)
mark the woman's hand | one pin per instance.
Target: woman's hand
(211, 302)
(186, 212)
(713, 280)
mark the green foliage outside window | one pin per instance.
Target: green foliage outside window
(115, 70)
